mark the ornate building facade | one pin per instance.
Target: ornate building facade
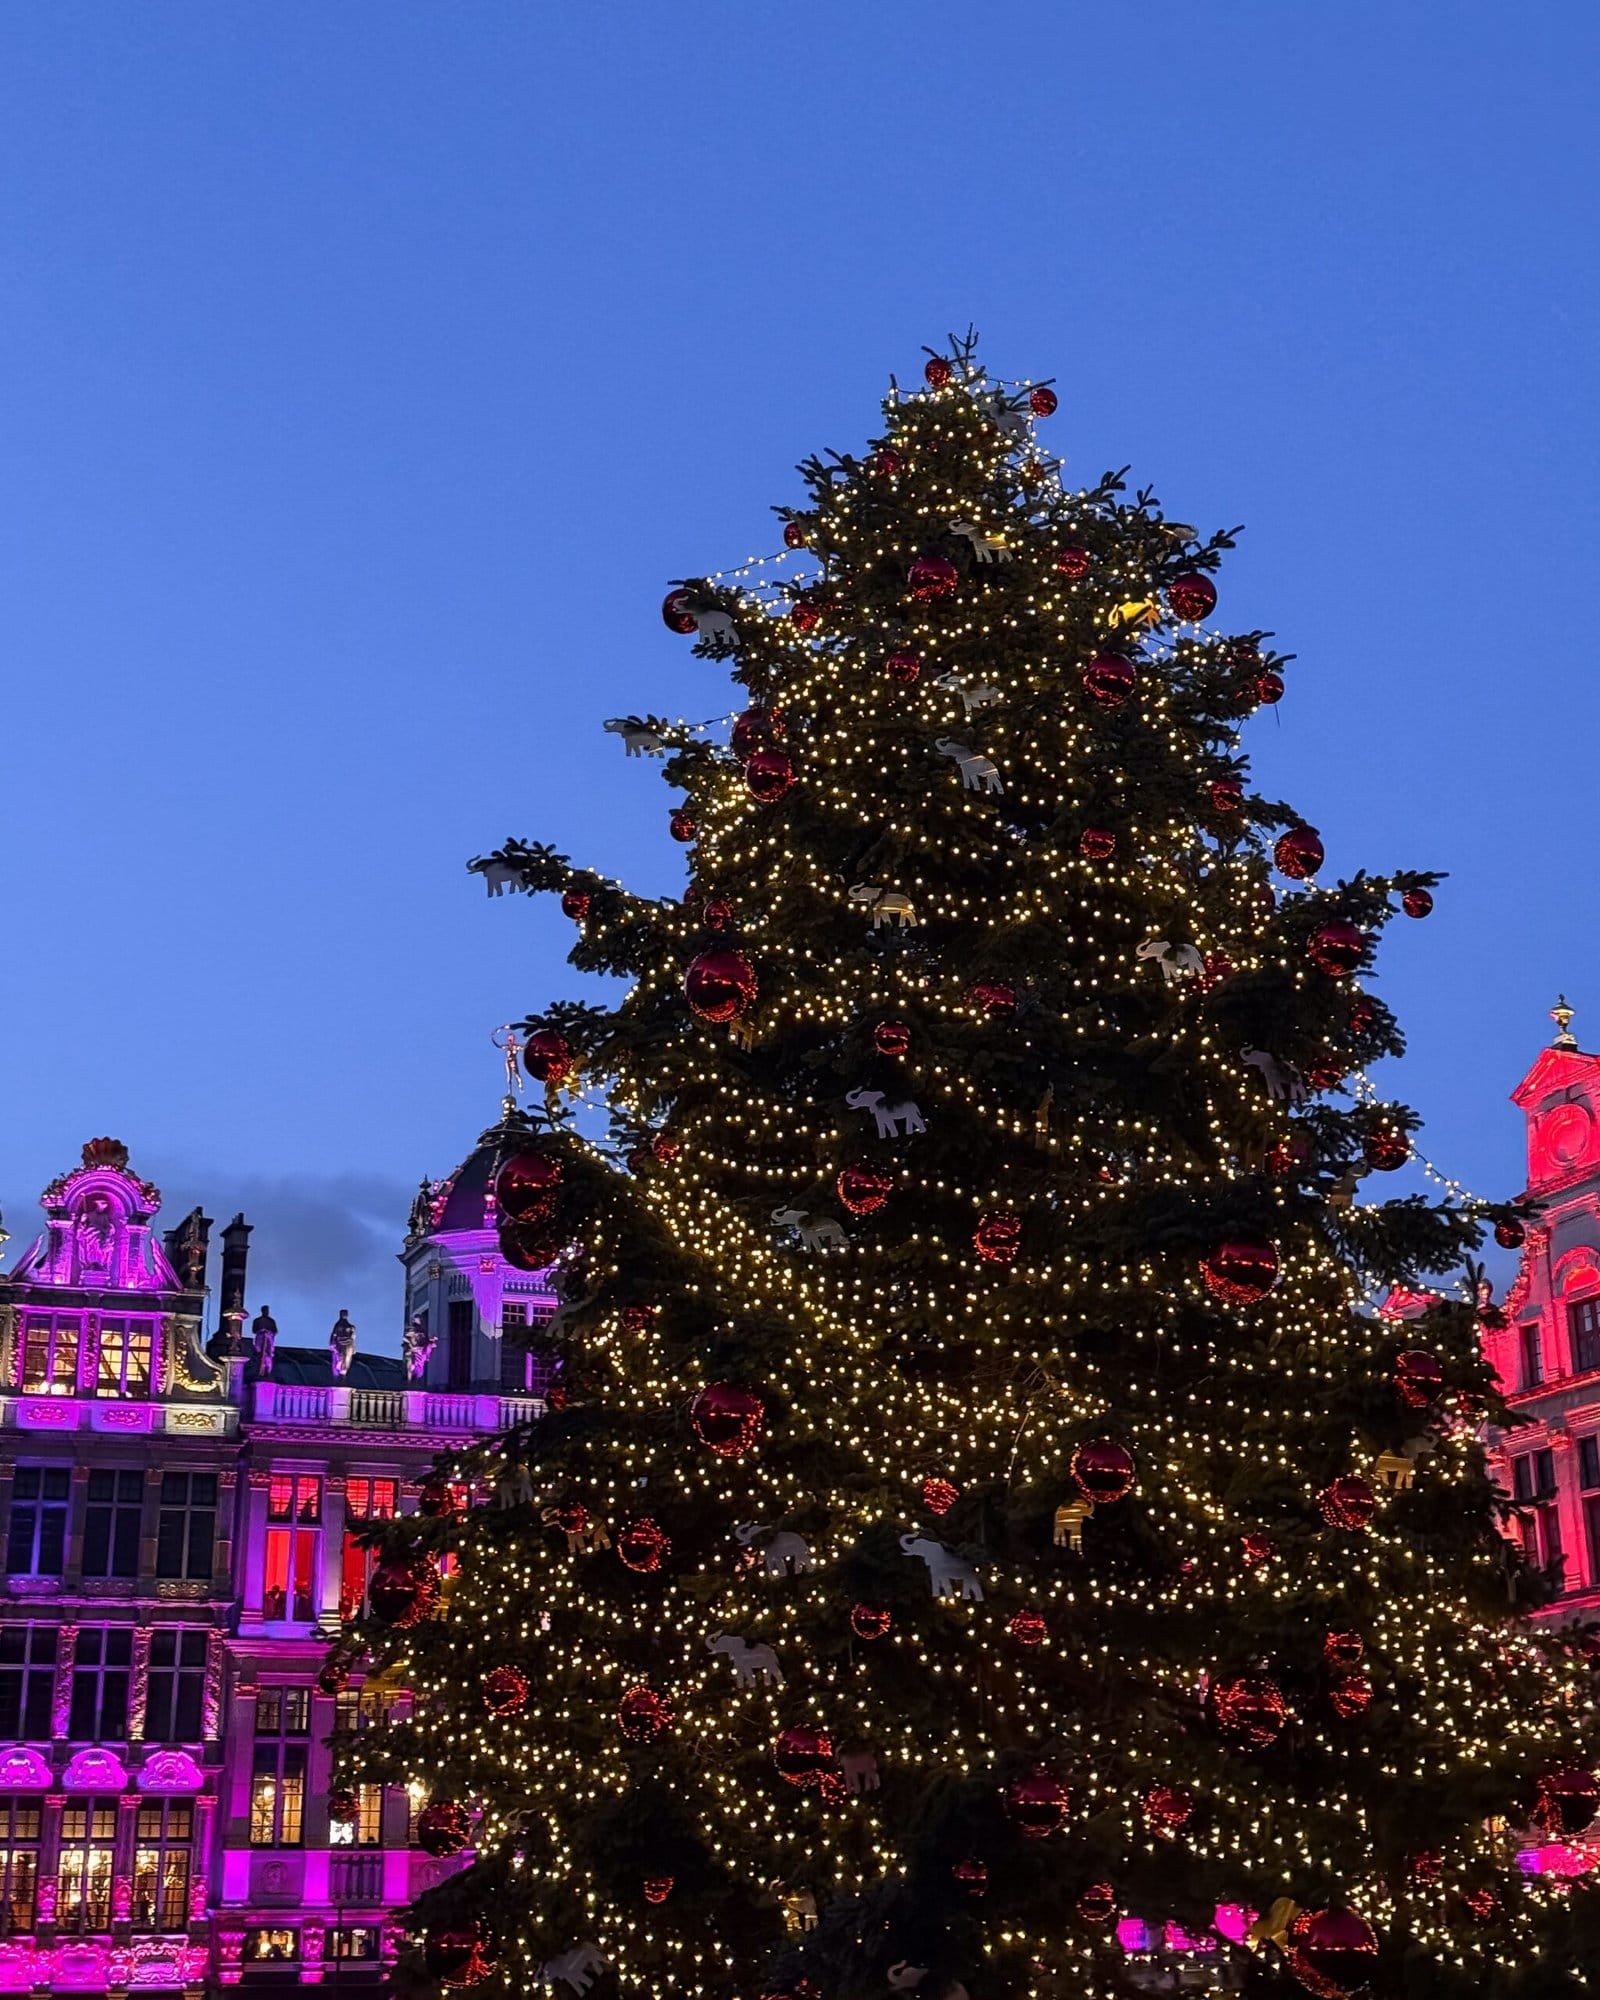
(179, 1516)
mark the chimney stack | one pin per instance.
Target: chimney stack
(231, 1315)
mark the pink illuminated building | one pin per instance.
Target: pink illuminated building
(177, 1506)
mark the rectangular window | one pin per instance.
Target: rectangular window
(1591, 1529)
(371, 1499)
(353, 1941)
(50, 1354)
(459, 1326)
(161, 1865)
(283, 1711)
(1583, 1328)
(293, 1549)
(177, 1685)
(19, 1863)
(1533, 1476)
(111, 1524)
(27, 1681)
(278, 1795)
(1589, 1461)
(187, 1525)
(37, 1542)
(101, 1670)
(270, 1943)
(355, 1709)
(366, 1829)
(1532, 1356)
(124, 1366)
(88, 1844)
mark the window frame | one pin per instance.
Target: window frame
(48, 1511)
(186, 1527)
(62, 1345)
(102, 1687)
(132, 1338)
(1583, 1333)
(21, 1842)
(122, 1512)
(181, 1694)
(34, 1675)
(89, 1855)
(169, 1840)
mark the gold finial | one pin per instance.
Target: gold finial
(1561, 1014)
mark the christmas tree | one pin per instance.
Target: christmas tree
(1000, 1531)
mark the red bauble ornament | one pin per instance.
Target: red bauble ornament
(642, 1545)
(891, 1038)
(683, 825)
(1038, 1803)
(1385, 1150)
(768, 774)
(1192, 597)
(794, 536)
(505, 1690)
(1268, 688)
(335, 1676)
(1103, 1471)
(1226, 794)
(804, 616)
(1427, 1864)
(1417, 902)
(869, 1621)
(1254, 1550)
(998, 1236)
(1043, 402)
(972, 1876)
(1363, 1015)
(939, 1496)
(756, 729)
(443, 1828)
(665, 1147)
(886, 462)
(1337, 948)
(1350, 1695)
(532, 1244)
(1028, 1627)
(644, 1713)
(1097, 1904)
(1569, 1799)
(993, 997)
(903, 667)
(1097, 843)
(937, 371)
(1336, 1947)
(1109, 679)
(526, 1184)
(864, 1188)
(657, 1888)
(1074, 563)
(457, 1955)
(717, 914)
(726, 1418)
(403, 1590)
(1510, 1235)
(547, 1056)
(677, 611)
(720, 985)
(1483, 1904)
(1241, 1270)
(575, 904)
(931, 577)
(802, 1754)
(1347, 1503)
(1167, 1808)
(1288, 1157)
(1344, 1650)
(1249, 1710)
(344, 1808)
(435, 1499)
(1299, 853)
(1324, 1071)
(636, 1318)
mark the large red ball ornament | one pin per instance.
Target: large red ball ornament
(1268, 688)
(1097, 1904)
(903, 667)
(443, 1828)
(972, 1876)
(937, 371)
(1074, 563)
(1103, 1471)
(802, 1754)
(547, 1056)
(1226, 795)
(1337, 948)
(1350, 1695)
(870, 1621)
(642, 1545)
(805, 616)
(1336, 1947)
(1241, 1270)
(435, 1499)
(335, 1676)
(1038, 1803)
(768, 774)
(864, 1188)
(683, 826)
(402, 1591)
(575, 904)
(727, 1419)
(720, 985)
(665, 1147)
(932, 577)
(1299, 853)
(525, 1186)
(1192, 597)
(1347, 1503)
(1344, 1650)
(344, 1808)
(998, 1236)
(1510, 1235)
(939, 1495)
(505, 1690)
(1097, 843)
(1384, 1150)
(457, 1955)
(756, 729)
(887, 463)
(657, 1888)
(794, 536)
(1255, 1550)
(532, 1244)
(993, 997)
(1569, 1799)
(677, 611)
(891, 1038)
(1363, 1014)
(717, 914)
(1109, 679)
(1249, 1710)
(1043, 402)
(1168, 1808)
(1028, 1627)
(644, 1713)
(1417, 902)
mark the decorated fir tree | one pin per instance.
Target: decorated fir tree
(988, 1539)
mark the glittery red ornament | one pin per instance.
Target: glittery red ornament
(1043, 402)
(891, 1038)
(1097, 843)
(993, 996)
(903, 667)
(972, 1876)
(1350, 1695)
(998, 1236)
(1363, 1015)
(720, 985)
(931, 577)
(1569, 1799)
(457, 1954)
(1483, 1904)
(756, 729)
(335, 1676)
(1167, 1808)
(575, 904)
(869, 1621)
(1249, 1710)
(939, 1496)
(804, 616)
(1241, 1270)
(794, 536)
(1385, 1150)
(1337, 948)
(887, 463)
(644, 1713)
(1510, 1235)
(526, 1185)
(937, 371)
(443, 1828)
(1427, 1864)
(1103, 1471)
(1268, 688)
(727, 1419)
(547, 1056)
(1097, 1904)
(505, 1690)
(802, 1754)
(344, 1808)
(1344, 1650)
(1028, 1627)
(1038, 1803)
(1254, 1550)
(1226, 795)
(717, 914)
(1347, 1503)
(1299, 853)
(642, 1545)
(1334, 1946)
(403, 1590)
(683, 825)
(1192, 597)
(531, 1244)
(768, 774)
(1074, 563)
(1325, 1070)
(1288, 1157)
(636, 1318)
(657, 1888)
(665, 1147)
(864, 1188)
(1417, 902)
(677, 611)
(1109, 679)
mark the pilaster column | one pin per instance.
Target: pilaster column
(61, 1693)
(139, 1685)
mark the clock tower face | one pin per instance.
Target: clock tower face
(1563, 1140)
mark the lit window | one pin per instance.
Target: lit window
(50, 1354)
(278, 1772)
(19, 1863)
(270, 1942)
(366, 1829)
(161, 1865)
(124, 1369)
(88, 1844)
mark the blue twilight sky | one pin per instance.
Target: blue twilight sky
(366, 369)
